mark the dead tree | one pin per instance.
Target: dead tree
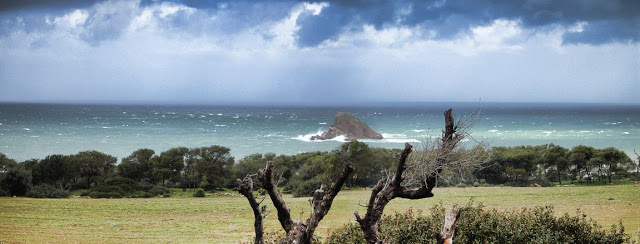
(448, 228)
(296, 230)
(423, 173)
(245, 187)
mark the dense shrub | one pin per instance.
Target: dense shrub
(16, 181)
(124, 187)
(306, 188)
(199, 193)
(476, 225)
(46, 191)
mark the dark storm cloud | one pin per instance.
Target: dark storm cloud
(9, 5)
(607, 21)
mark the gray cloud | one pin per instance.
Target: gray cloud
(241, 51)
(615, 20)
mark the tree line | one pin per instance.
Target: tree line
(212, 168)
(543, 164)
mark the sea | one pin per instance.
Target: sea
(29, 131)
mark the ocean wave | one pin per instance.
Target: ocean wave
(392, 136)
(418, 131)
(392, 140)
(307, 137)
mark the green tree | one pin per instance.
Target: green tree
(169, 164)
(138, 165)
(579, 157)
(358, 154)
(56, 170)
(517, 175)
(617, 162)
(5, 165)
(95, 166)
(17, 181)
(555, 158)
(252, 163)
(214, 164)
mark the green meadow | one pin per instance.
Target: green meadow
(225, 218)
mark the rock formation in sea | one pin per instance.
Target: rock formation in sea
(349, 126)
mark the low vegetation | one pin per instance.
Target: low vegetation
(213, 168)
(478, 225)
(225, 216)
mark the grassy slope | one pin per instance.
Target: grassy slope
(229, 219)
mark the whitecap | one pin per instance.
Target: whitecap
(27, 129)
(585, 131)
(219, 114)
(307, 137)
(626, 133)
(392, 140)
(322, 123)
(220, 125)
(390, 136)
(104, 127)
(493, 131)
(418, 131)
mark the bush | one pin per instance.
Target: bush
(542, 182)
(16, 182)
(306, 188)
(104, 194)
(476, 225)
(199, 193)
(159, 190)
(46, 191)
(124, 187)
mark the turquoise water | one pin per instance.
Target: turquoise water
(37, 130)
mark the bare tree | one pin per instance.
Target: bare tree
(296, 230)
(245, 187)
(416, 179)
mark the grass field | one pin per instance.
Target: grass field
(228, 219)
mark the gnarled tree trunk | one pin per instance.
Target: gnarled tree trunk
(245, 187)
(296, 231)
(385, 191)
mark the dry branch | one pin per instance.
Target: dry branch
(297, 231)
(245, 187)
(425, 173)
(284, 215)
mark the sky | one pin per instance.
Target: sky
(319, 52)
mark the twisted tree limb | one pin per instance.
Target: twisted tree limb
(284, 215)
(297, 231)
(385, 191)
(245, 187)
